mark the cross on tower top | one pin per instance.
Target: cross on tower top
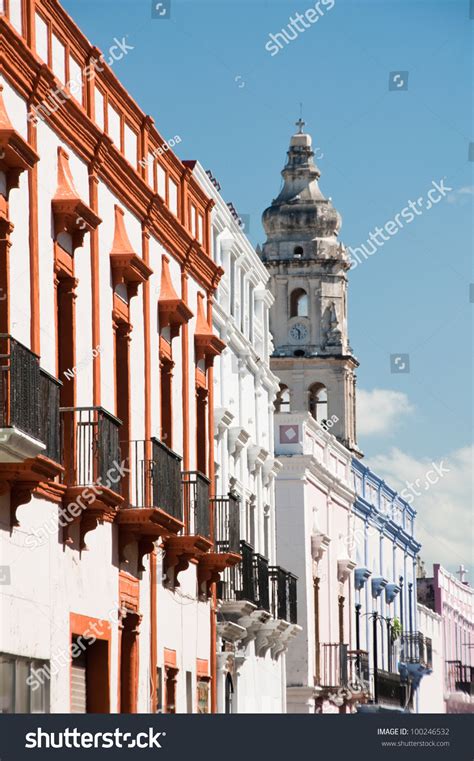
(300, 124)
(461, 572)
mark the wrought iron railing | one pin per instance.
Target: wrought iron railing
(90, 445)
(155, 476)
(19, 387)
(196, 503)
(261, 578)
(49, 417)
(226, 512)
(283, 600)
(415, 648)
(390, 690)
(459, 677)
(166, 474)
(333, 664)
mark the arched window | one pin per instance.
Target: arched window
(229, 694)
(282, 401)
(299, 303)
(318, 402)
(298, 252)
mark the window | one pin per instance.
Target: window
(229, 694)
(130, 147)
(299, 303)
(59, 59)
(282, 401)
(24, 685)
(99, 108)
(200, 228)
(161, 178)
(41, 32)
(114, 125)
(15, 14)
(173, 196)
(159, 690)
(318, 402)
(232, 285)
(189, 692)
(75, 79)
(166, 397)
(298, 252)
(193, 222)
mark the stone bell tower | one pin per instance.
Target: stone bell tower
(308, 268)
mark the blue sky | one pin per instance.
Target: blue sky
(204, 74)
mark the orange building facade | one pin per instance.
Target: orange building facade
(106, 389)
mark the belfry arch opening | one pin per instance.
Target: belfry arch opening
(299, 303)
(318, 402)
(282, 401)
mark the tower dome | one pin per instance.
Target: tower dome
(301, 222)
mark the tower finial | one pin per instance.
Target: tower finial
(300, 123)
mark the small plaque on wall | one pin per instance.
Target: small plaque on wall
(289, 434)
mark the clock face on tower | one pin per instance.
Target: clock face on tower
(298, 332)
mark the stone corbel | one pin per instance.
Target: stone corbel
(344, 569)
(256, 457)
(361, 576)
(378, 584)
(319, 544)
(238, 438)
(229, 631)
(391, 591)
(223, 417)
(271, 468)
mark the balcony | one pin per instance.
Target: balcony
(153, 505)
(342, 675)
(459, 678)
(224, 554)
(93, 468)
(416, 649)
(390, 690)
(29, 426)
(283, 594)
(196, 538)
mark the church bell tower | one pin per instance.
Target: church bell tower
(308, 268)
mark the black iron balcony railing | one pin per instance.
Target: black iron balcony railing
(19, 387)
(196, 503)
(282, 594)
(226, 523)
(261, 579)
(155, 477)
(390, 689)
(166, 479)
(248, 580)
(90, 445)
(459, 677)
(415, 648)
(49, 417)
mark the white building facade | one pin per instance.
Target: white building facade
(256, 598)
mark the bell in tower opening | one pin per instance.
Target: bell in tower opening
(308, 266)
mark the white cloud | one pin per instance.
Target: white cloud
(379, 411)
(444, 522)
(458, 195)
